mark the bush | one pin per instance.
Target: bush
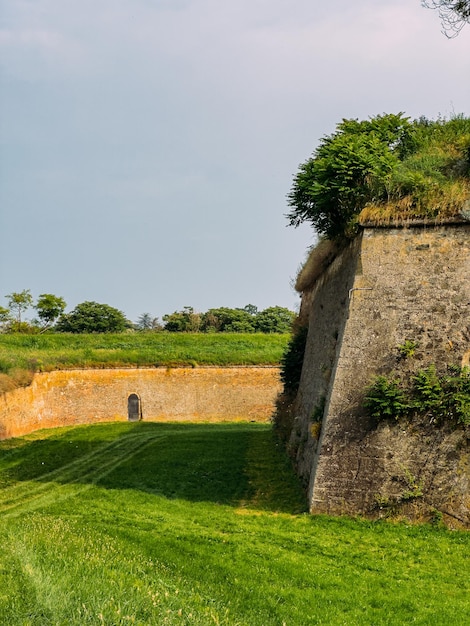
(442, 398)
(293, 359)
(385, 399)
(275, 319)
(185, 321)
(427, 389)
(226, 320)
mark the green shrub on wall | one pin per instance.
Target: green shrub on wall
(440, 397)
(385, 399)
(381, 170)
(291, 370)
(292, 360)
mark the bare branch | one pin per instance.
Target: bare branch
(454, 14)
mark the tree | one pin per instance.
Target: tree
(92, 317)
(454, 14)
(49, 308)
(5, 317)
(185, 321)
(348, 169)
(385, 168)
(18, 302)
(147, 322)
(226, 320)
(275, 319)
(144, 322)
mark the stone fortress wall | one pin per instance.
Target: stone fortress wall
(71, 397)
(389, 286)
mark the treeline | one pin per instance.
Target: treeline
(274, 319)
(93, 317)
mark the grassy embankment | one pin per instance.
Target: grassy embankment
(22, 355)
(156, 524)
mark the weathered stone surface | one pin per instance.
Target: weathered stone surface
(167, 394)
(389, 286)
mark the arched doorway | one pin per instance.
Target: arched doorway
(134, 408)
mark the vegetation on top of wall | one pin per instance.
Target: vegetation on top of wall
(385, 170)
(439, 397)
(318, 260)
(21, 355)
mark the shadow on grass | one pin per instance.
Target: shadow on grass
(232, 464)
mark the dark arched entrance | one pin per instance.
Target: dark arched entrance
(134, 408)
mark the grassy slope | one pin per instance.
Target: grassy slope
(433, 181)
(202, 524)
(69, 350)
(21, 355)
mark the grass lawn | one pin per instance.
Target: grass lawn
(202, 524)
(61, 350)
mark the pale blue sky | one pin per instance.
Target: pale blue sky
(147, 147)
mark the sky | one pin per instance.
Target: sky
(147, 146)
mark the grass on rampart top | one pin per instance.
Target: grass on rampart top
(21, 353)
(187, 524)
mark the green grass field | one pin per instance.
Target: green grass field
(62, 350)
(202, 524)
